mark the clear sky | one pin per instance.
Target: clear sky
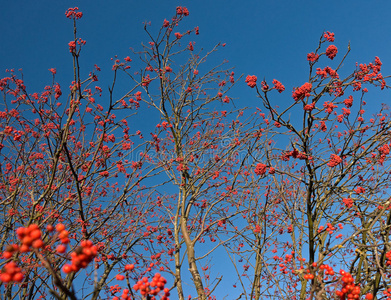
(265, 38)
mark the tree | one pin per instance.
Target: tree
(299, 205)
(330, 186)
(64, 165)
(202, 147)
(67, 181)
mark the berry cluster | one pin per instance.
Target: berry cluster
(329, 269)
(349, 289)
(81, 257)
(154, 287)
(251, 80)
(129, 267)
(181, 10)
(30, 237)
(309, 276)
(73, 13)
(11, 272)
(62, 235)
(331, 51)
(302, 92)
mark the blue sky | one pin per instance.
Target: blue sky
(266, 38)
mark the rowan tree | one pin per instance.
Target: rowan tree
(329, 190)
(202, 143)
(70, 169)
(70, 160)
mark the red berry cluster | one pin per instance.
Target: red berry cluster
(251, 80)
(154, 287)
(181, 10)
(62, 235)
(349, 289)
(321, 272)
(329, 269)
(11, 272)
(129, 267)
(81, 257)
(302, 92)
(73, 13)
(309, 276)
(30, 237)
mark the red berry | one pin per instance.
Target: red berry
(5, 277)
(18, 277)
(61, 248)
(60, 227)
(27, 240)
(24, 248)
(20, 232)
(35, 234)
(67, 269)
(37, 244)
(65, 241)
(63, 234)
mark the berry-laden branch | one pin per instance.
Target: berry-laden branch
(31, 242)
